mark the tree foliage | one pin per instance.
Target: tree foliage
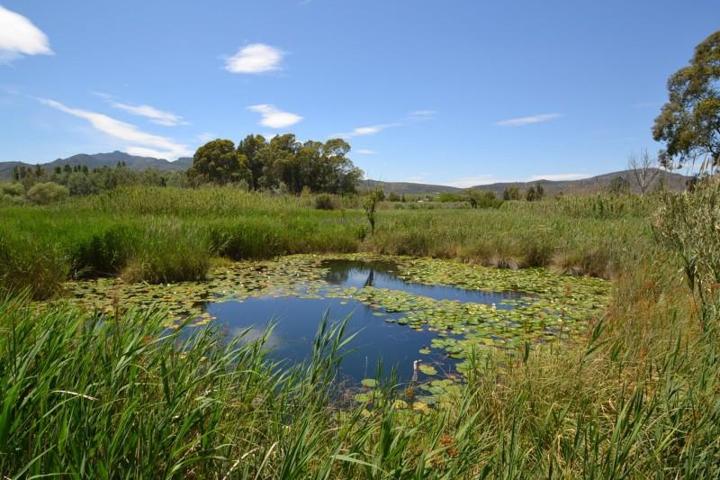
(217, 161)
(282, 163)
(689, 123)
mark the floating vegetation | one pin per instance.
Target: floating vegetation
(543, 307)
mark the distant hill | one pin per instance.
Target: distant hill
(407, 187)
(590, 185)
(584, 186)
(99, 160)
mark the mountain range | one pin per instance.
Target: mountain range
(673, 181)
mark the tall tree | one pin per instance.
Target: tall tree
(218, 161)
(252, 147)
(689, 123)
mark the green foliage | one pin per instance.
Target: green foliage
(324, 202)
(511, 193)
(619, 186)
(14, 189)
(169, 253)
(106, 252)
(217, 161)
(689, 123)
(370, 203)
(281, 163)
(46, 193)
(688, 224)
(27, 262)
(535, 193)
(480, 199)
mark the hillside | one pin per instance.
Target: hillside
(99, 160)
(596, 184)
(590, 185)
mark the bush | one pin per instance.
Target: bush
(324, 202)
(46, 193)
(12, 189)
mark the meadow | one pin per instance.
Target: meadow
(117, 395)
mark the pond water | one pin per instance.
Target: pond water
(379, 337)
(353, 273)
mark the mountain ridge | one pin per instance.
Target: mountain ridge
(594, 184)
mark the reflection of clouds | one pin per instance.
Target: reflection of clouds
(247, 335)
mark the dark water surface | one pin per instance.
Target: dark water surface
(296, 321)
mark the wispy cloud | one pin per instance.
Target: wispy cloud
(155, 115)
(467, 182)
(555, 177)
(255, 58)
(139, 142)
(422, 114)
(273, 117)
(472, 181)
(529, 120)
(365, 151)
(366, 130)
(414, 116)
(18, 36)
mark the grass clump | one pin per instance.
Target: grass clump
(169, 252)
(29, 263)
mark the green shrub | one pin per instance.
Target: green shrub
(46, 193)
(14, 189)
(324, 202)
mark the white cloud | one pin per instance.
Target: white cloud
(414, 116)
(155, 115)
(367, 130)
(274, 118)
(140, 143)
(255, 58)
(18, 36)
(532, 119)
(365, 151)
(558, 176)
(467, 182)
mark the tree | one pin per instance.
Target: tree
(531, 194)
(619, 186)
(511, 193)
(251, 147)
(370, 206)
(219, 162)
(689, 123)
(643, 170)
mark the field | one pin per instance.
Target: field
(634, 395)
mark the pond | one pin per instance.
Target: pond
(379, 339)
(441, 311)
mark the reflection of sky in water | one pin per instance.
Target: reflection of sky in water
(348, 273)
(296, 321)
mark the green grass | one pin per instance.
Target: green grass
(117, 396)
(170, 234)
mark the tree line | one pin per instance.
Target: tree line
(282, 163)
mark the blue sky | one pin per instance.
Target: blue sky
(456, 92)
